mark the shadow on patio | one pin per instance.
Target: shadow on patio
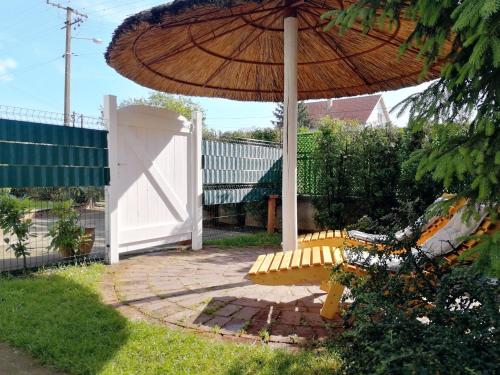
(208, 290)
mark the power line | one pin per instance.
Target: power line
(30, 67)
(33, 96)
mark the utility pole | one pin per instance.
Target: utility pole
(67, 55)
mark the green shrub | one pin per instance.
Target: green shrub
(359, 168)
(427, 318)
(15, 223)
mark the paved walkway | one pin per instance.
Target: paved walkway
(207, 291)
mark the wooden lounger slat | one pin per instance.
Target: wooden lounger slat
(285, 262)
(264, 267)
(308, 236)
(327, 255)
(329, 234)
(338, 234)
(486, 224)
(297, 255)
(275, 265)
(257, 264)
(306, 257)
(322, 235)
(316, 256)
(315, 236)
(337, 255)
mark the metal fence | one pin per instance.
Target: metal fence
(41, 215)
(238, 177)
(52, 179)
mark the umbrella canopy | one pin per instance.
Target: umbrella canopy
(263, 50)
(234, 49)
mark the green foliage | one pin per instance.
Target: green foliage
(468, 87)
(261, 134)
(182, 105)
(427, 318)
(80, 195)
(14, 223)
(364, 171)
(459, 304)
(66, 235)
(58, 317)
(487, 253)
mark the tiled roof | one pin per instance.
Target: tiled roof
(357, 109)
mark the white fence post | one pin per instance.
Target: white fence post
(111, 221)
(197, 188)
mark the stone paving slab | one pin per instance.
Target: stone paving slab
(208, 291)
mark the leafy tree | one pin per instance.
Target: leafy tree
(180, 104)
(334, 186)
(410, 152)
(360, 171)
(303, 119)
(429, 317)
(262, 134)
(468, 88)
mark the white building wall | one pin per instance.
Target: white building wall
(379, 115)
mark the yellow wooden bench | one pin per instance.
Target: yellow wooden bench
(302, 267)
(313, 265)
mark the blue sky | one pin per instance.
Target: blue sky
(32, 66)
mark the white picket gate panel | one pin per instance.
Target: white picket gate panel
(154, 196)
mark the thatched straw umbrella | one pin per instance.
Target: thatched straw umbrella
(260, 50)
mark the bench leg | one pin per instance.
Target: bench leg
(331, 306)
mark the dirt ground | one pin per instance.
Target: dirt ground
(16, 362)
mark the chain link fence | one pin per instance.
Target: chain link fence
(71, 219)
(52, 177)
(238, 177)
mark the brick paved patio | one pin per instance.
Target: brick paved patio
(207, 291)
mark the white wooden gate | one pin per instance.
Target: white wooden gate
(154, 197)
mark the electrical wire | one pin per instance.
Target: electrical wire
(33, 96)
(29, 68)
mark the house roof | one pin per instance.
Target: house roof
(356, 109)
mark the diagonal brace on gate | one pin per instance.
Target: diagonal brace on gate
(160, 184)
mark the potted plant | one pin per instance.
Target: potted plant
(69, 238)
(15, 223)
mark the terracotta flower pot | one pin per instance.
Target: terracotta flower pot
(65, 251)
(88, 243)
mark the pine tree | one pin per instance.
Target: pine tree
(279, 114)
(303, 119)
(468, 87)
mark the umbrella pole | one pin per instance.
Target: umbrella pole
(289, 188)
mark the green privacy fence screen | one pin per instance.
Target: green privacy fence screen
(240, 171)
(307, 175)
(42, 155)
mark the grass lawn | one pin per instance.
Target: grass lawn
(261, 239)
(57, 316)
(41, 205)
